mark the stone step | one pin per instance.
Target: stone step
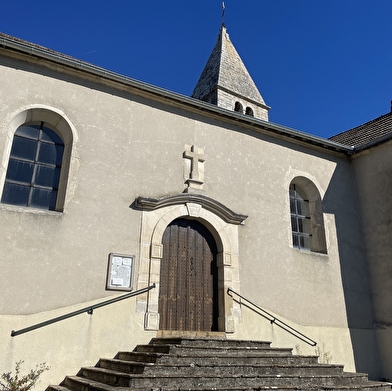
(209, 350)
(219, 368)
(210, 342)
(369, 387)
(77, 383)
(57, 388)
(224, 358)
(120, 379)
(94, 386)
(172, 364)
(124, 366)
(146, 357)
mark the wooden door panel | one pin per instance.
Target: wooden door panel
(188, 280)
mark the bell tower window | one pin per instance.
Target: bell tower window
(238, 107)
(249, 111)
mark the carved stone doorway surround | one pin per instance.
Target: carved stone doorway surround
(223, 225)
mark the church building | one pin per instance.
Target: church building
(213, 220)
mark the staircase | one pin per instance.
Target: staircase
(213, 364)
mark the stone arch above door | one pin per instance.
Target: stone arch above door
(223, 224)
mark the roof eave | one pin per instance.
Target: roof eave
(58, 58)
(373, 143)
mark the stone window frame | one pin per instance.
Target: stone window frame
(54, 119)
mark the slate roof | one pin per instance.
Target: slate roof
(370, 132)
(225, 69)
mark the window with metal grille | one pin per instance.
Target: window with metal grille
(300, 218)
(34, 166)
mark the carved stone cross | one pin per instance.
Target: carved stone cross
(194, 166)
(195, 159)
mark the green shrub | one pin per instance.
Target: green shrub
(20, 382)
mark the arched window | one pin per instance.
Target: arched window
(300, 218)
(307, 221)
(249, 111)
(34, 167)
(238, 107)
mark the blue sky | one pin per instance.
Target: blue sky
(324, 66)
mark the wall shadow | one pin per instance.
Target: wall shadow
(341, 201)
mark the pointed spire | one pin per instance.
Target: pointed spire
(226, 82)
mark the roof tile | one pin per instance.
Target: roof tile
(366, 133)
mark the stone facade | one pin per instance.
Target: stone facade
(137, 157)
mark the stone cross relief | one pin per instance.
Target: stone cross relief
(193, 167)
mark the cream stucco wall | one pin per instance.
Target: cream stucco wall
(372, 170)
(68, 345)
(129, 145)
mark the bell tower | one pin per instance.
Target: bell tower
(226, 82)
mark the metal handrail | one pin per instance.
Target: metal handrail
(89, 310)
(273, 319)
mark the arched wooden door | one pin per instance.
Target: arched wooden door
(188, 278)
